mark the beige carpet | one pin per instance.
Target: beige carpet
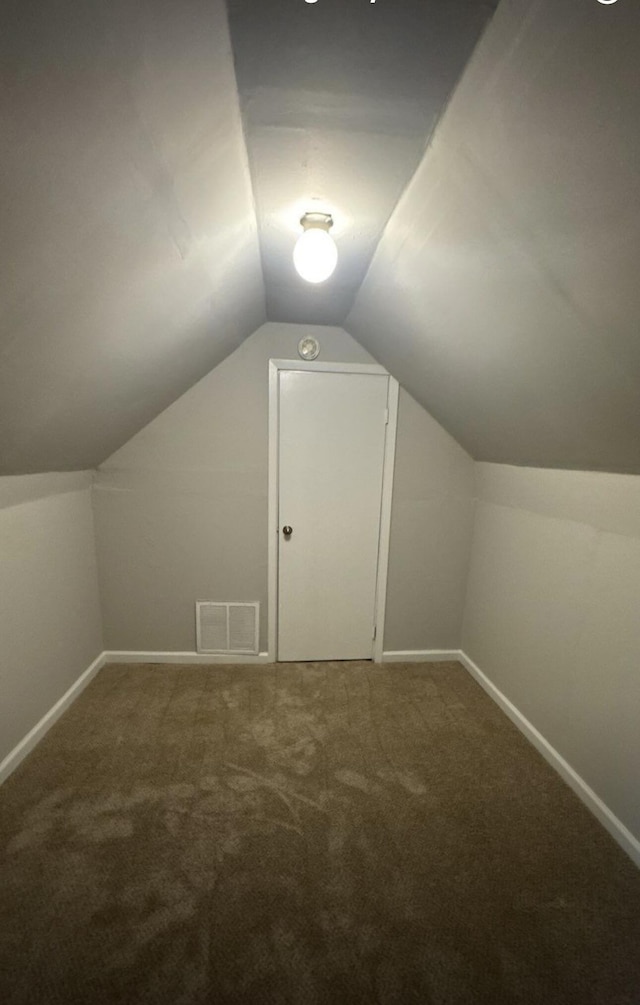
(305, 833)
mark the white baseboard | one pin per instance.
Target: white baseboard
(420, 655)
(135, 656)
(33, 737)
(621, 834)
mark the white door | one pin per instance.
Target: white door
(332, 429)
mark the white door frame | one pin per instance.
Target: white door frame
(275, 365)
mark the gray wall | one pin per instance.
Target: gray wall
(552, 615)
(181, 510)
(50, 622)
(431, 527)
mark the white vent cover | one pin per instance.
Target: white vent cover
(226, 628)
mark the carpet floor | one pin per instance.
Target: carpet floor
(330, 833)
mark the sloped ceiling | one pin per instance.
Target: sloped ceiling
(503, 292)
(339, 99)
(130, 262)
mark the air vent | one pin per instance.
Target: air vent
(227, 628)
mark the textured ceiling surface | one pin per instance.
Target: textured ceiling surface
(504, 293)
(130, 263)
(148, 185)
(338, 100)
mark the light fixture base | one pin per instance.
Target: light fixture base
(308, 348)
(323, 221)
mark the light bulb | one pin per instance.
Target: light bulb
(315, 255)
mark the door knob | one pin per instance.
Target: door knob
(287, 531)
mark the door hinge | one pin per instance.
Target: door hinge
(386, 416)
(375, 631)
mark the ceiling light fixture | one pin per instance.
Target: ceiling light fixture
(315, 255)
